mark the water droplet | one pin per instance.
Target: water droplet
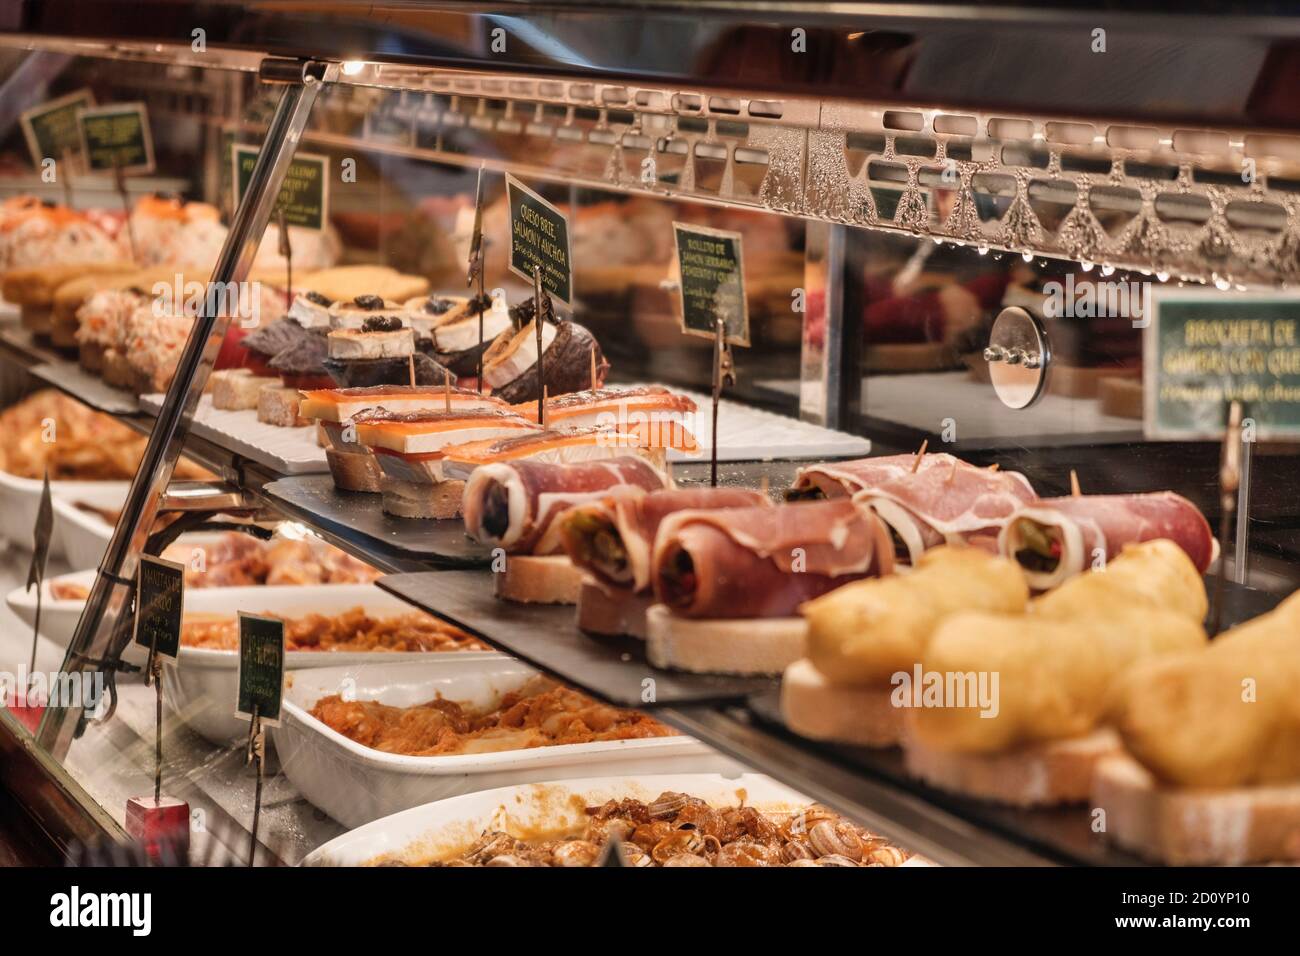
(1222, 284)
(1162, 276)
(1107, 269)
(1027, 256)
(1085, 265)
(982, 249)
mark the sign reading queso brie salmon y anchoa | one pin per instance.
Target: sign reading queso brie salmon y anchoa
(539, 236)
(712, 282)
(116, 138)
(159, 603)
(1205, 348)
(261, 668)
(51, 129)
(304, 196)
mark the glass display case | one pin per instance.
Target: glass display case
(1020, 315)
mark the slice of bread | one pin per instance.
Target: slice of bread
(1183, 827)
(1060, 771)
(418, 499)
(813, 707)
(354, 470)
(764, 645)
(620, 612)
(278, 405)
(344, 283)
(116, 370)
(37, 285)
(90, 356)
(539, 579)
(37, 319)
(236, 389)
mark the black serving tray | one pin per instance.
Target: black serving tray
(358, 518)
(546, 636)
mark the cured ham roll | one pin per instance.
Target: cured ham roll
(764, 562)
(514, 505)
(611, 539)
(1054, 539)
(1226, 716)
(867, 631)
(940, 500)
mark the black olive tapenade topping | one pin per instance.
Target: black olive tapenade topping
(381, 323)
(437, 306)
(315, 298)
(368, 302)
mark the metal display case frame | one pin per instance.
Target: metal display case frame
(729, 113)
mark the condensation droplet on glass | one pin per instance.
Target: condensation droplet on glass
(1085, 265)
(982, 249)
(1027, 256)
(1162, 276)
(1107, 269)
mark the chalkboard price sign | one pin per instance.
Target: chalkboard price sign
(1205, 349)
(539, 236)
(304, 195)
(261, 668)
(159, 603)
(116, 138)
(51, 129)
(712, 282)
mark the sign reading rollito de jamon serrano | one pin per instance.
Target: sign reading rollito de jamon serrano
(539, 237)
(712, 282)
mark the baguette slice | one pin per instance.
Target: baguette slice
(237, 389)
(278, 405)
(1187, 827)
(1060, 771)
(354, 470)
(815, 708)
(539, 579)
(420, 499)
(764, 645)
(612, 613)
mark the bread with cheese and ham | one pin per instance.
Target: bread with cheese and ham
(562, 446)
(936, 500)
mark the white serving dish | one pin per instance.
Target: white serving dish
(20, 499)
(59, 618)
(355, 784)
(200, 686)
(80, 536)
(290, 451)
(446, 826)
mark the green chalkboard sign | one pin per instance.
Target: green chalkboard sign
(116, 137)
(539, 236)
(305, 193)
(51, 129)
(159, 605)
(712, 282)
(261, 667)
(1205, 348)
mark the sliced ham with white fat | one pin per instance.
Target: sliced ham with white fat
(513, 505)
(763, 561)
(1056, 538)
(938, 500)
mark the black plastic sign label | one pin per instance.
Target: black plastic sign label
(51, 129)
(116, 137)
(1206, 349)
(305, 194)
(539, 236)
(159, 605)
(261, 668)
(712, 282)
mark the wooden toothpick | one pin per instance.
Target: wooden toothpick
(1074, 484)
(410, 366)
(541, 407)
(920, 453)
(593, 366)
(446, 387)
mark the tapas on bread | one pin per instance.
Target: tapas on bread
(1211, 769)
(729, 582)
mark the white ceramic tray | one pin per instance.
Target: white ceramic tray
(446, 826)
(200, 686)
(20, 499)
(754, 434)
(82, 536)
(290, 451)
(355, 784)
